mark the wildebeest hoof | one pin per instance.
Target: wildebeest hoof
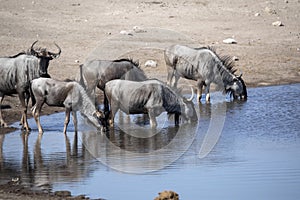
(3, 124)
(26, 129)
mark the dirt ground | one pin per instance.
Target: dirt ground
(265, 54)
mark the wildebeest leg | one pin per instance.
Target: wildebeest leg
(36, 114)
(27, 97)
(207, 93)
(176, 118)
(67, 120)
(113, 111)
(106, 106)
(152, 117)
(200, 84)
(2, 123)
(175, 81)
(22, 98)
(36, 109)
(74, 116)
(170, 75)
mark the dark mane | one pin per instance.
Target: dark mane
(200, 48)
(14, 56)
(135, 63)
(226, 60)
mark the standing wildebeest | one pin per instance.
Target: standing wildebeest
(150, 97)
(204, 66)
(17, 71)
(70, 95)
(97, 73)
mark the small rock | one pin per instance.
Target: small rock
(229, 41)
(270, 11)
(277, 23)
(257, 14)
(150, 63)
(123, 32)
(234, 58)
(298, 49)
(63, 193)
(76, 61)
(138, 29)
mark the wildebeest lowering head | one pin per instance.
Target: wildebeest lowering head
(237, 88)
(189, 112)
(44, 57)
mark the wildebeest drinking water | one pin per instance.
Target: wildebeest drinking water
(17, 71)
(70, 95)
(204, 66)
(97, 73)
(150, 97)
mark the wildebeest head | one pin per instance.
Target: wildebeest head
(189, 112)
(237, 88)
(102, 119)
(45, 57)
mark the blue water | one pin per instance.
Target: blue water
(256, 155)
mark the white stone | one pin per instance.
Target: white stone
(235, 58)
(150, 63)
(123, 32)
(229, 41)
(277, 23)
(270, 11)
(138, 29)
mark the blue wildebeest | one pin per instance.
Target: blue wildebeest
(17, 71)
(97, 73)
(70, 95)
(150, 97)
(204, 66)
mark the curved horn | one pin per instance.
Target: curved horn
(192, 97)
(56, 55)
(32, 51)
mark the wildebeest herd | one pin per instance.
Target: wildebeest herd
(123, 82)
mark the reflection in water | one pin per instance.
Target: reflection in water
(127, 153)
(39, 169)
(256, 156)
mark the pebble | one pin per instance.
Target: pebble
(257, 14)
(270, 11)
(138, 29)
(150, 63)
(63, 193)
(277, 23)
(230, 41)
(123, 32)
(235, 58)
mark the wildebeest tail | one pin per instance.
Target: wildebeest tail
(33, 100)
